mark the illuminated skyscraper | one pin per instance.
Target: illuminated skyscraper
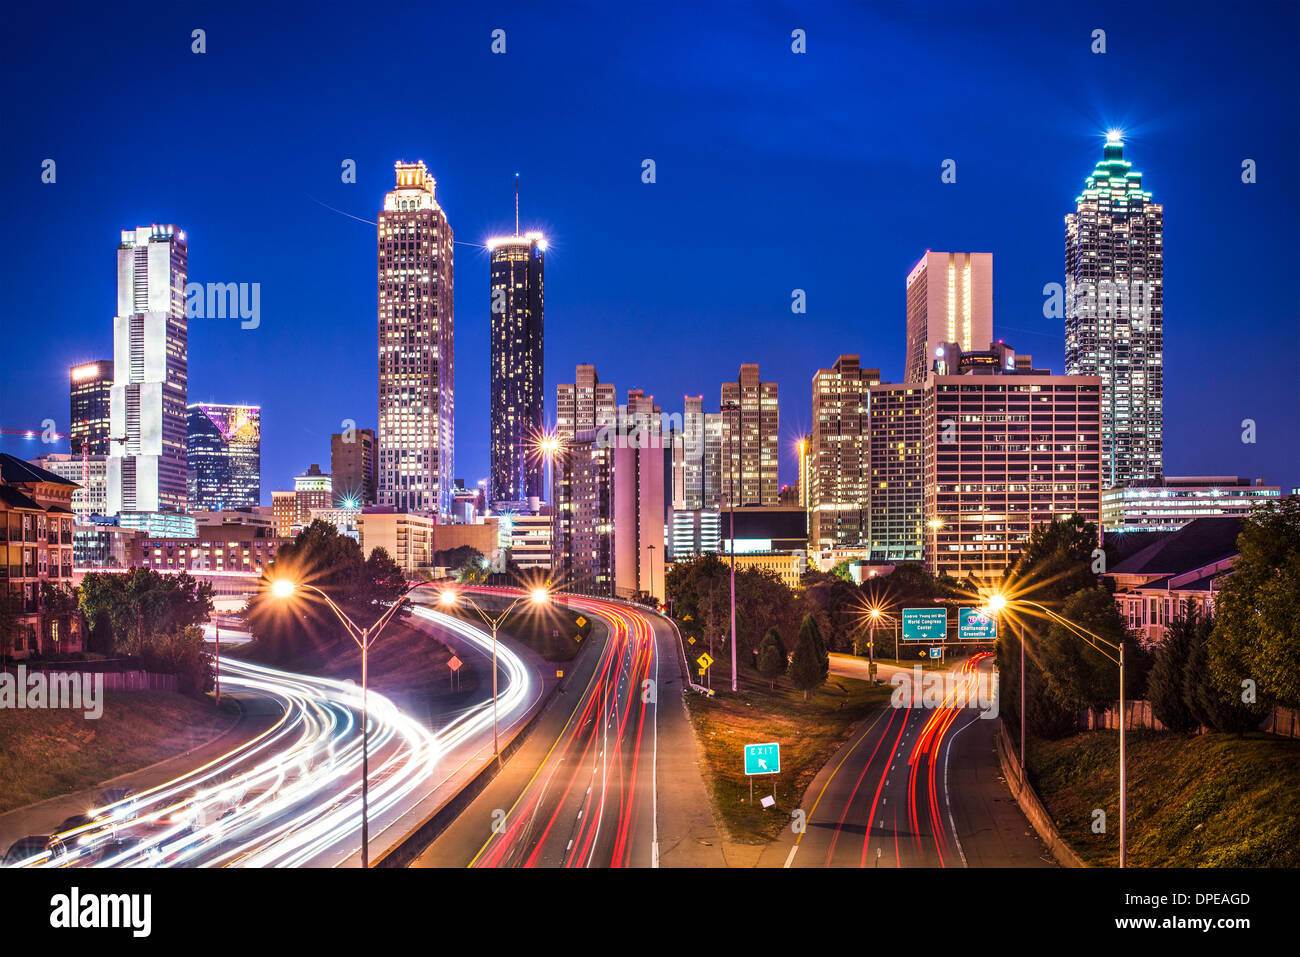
(146, 473)
(949, 299)
(840, 456)
(1114, 313)
(750, 420)
(585, 403)
(91, 386)
(517, 271)
(416, 372)
(224, 456)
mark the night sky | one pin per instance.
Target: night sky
(775, 172)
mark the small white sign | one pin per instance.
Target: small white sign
(768, 801)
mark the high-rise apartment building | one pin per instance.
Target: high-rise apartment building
(146, 471)
(1114, 312)
(949, 299)
(416, 362)
(284, 511)
(223, 456)
(693, 418)
(352, 467)
(839, 454)
(897, 499)
(750, 424)
(517, 273)
(1004, 451)
(90, 394)
(583, 404)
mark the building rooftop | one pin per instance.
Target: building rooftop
(1200, 542)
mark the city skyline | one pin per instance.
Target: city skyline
(854, 309)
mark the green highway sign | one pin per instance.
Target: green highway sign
(763, 758)
(925, 624)
(936, 652)
(973, 625)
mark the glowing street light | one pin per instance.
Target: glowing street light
(998, 602)
(450, 597)
(284, 588)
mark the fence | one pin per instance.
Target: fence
(113, 680)
(1284, 722)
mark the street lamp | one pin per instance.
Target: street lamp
(364, 637)
(537, 596)
(731, 509)
(998, 602)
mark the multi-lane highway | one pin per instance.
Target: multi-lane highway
(291, 796)
(916, 786)
(610, 778)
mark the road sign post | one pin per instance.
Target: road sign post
(762, 759)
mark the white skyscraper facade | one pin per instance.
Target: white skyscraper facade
(416, 373)
(146, 464)
(1114, 313)
(949, 299)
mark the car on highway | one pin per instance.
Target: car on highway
(25, 848)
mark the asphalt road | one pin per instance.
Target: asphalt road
(610, 776)
(915, 786)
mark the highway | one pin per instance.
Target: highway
(916, 786)
(291, 796)
(610, 778)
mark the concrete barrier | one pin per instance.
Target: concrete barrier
(1030, 804)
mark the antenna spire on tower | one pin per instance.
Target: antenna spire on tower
(516, 204)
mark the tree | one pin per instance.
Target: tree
(10, 621)
(142, 602)
(772, 657)
(58, 606)
(1217, 708)
(1056, 562)
(1168, 674)
(837, 605)
(1257, 615)
(182, 653)
(1078, 675)
(809, 666)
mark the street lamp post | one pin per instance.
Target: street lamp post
(731, 510)
(996, 603)
(363, 637)
(651, 549)
(538, 596)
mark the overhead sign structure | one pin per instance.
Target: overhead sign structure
(763, 758)
(925, 624)
(974, 625)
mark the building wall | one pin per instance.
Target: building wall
(516, 310)
(407, 537)
(1002, 454)
(949, 299)
(839, 464)
(897, 490)
(751, 422)
(352, 466)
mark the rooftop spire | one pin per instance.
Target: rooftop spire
(516, 204)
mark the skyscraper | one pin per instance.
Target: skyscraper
(90, 394)
(693, 452)
(897, 489)
(585, 403)
(517, 273)
(416, 370)
(224, 456)
(750, 423)
(949, 299)
(146, 473)
(840, 457)
(352, 467)
(1114, 312)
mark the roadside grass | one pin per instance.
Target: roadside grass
(1211, 800)
(809, 734)
(54, 751)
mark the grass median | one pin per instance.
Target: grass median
(809, 734)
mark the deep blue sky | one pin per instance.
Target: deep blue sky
(776, 171)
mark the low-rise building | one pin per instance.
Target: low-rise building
(1167, 504)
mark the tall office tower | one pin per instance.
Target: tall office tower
(751, 421)
(517, 272)
(91, 387)
(311, 490)
(284, 510)
(416, 363)
(714, 439)
(949, 299)
(609, 521)
(640, 419)
(146, 472)
(1114, 312)
(804, 481)
(839, 465)
(352, 467)
(1003, 451)
(585, 403)
(692, 452)
(223, 454)
(897, 490)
